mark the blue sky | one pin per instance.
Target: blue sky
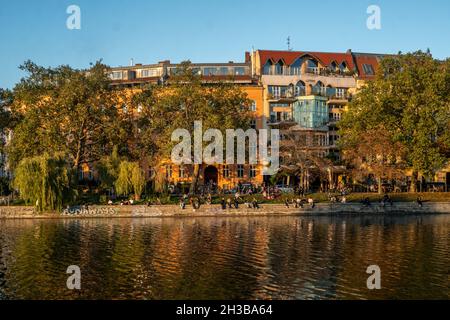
(209, 30)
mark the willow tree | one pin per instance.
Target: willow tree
(131, 178)
(44, 181)
(183, 100)
(408, 104)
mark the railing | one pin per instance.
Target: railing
(289, 71)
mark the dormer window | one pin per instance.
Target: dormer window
(343, 67)
(334, 66)
(368, 69)
(279, 68)
(267, 67)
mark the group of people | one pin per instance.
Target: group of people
(299, 202)
(228, 203)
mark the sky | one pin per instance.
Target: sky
(209, 30)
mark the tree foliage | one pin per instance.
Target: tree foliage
(66, 110)
(44, 181)
(184, 100)
(131, 178)
(404, 113)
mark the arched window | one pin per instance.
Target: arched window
(267, 67)
(319, 88)
(279, 68)
(296, 67)
(300, 89)
(311, 63)
(312, 66)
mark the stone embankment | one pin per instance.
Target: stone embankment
(327, 209)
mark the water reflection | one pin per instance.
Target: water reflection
(227, 258)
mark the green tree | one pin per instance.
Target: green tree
(44, 181)
(108, 169)
(66, 110)
(131, 178)
(184, 100)
(410, 101)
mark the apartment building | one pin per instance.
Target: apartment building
(135, 76)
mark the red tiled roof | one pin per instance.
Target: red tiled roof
(289, 57)
(369, 59)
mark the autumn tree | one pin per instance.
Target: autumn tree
(182, 101)
(301, 158)
(405, 112)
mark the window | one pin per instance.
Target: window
(223, 71)
(168, 172)
(334, 66)
(252, 171)
(341, 93)
(240, 171)
(226, 172)
(209, 71)
(239, 71)
(253, 124)
(116, 75)
(253, 106)
(267, 68)
(279, 68)
(181, 172)
(368, 69)
(145, 73)
(300, 89)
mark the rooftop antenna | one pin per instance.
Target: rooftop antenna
(289, 43)
(131, 62)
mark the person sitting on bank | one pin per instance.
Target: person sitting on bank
(223, 204)
(419, 201)
(255, 203)
(311, 202)
(236, 202)
(229, 203)
(286, 203)
(182, 203)
(366, 202)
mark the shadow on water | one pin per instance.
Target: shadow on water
(227, 258)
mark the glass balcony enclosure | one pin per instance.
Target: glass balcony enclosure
(311, 112)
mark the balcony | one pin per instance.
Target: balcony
(339, 98)
(281, 122)
(297, 71)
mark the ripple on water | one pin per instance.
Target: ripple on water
(227, 258)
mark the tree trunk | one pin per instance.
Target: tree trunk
(195, 177)
(413, 187)
(380, 191)
(330, 179)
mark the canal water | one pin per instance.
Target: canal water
(227, 258)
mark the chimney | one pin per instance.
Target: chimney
(247, 57)
(132, 62)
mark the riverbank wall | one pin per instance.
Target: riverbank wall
(324, 209)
